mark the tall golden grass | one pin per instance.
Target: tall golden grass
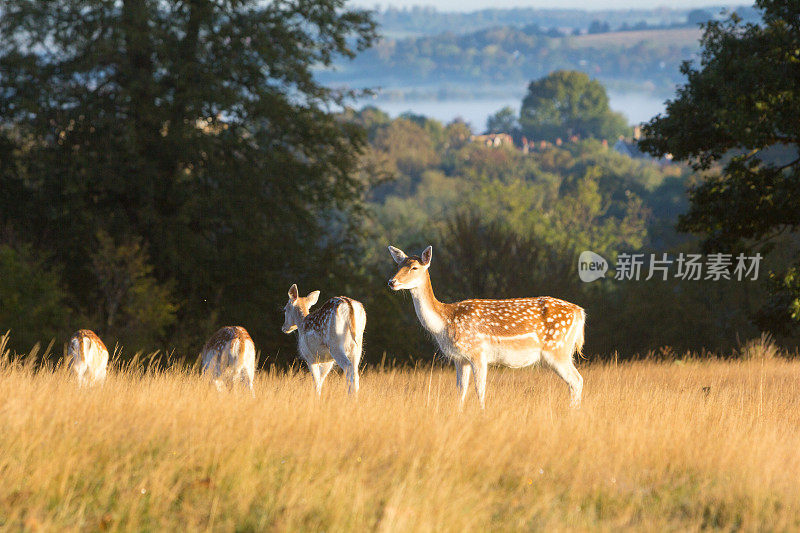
(657, 446)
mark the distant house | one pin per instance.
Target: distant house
(630, 148)
(494, 139)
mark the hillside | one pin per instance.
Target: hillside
(682, 37)
(418, 21)
(510, 55)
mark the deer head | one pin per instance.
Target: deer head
(412, 270)
(297, 308)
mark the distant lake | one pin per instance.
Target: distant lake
(636, 106)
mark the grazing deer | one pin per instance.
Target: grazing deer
(476, 333)
(88, 355)
(230, 355)
(332, 333)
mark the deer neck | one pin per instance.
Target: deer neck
(303, 316)
(429, 309)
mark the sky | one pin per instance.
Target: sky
(473, 5)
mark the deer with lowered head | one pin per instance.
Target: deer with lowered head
(88, 357)
(229, 356)
(477, 333)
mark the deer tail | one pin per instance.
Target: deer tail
(77, 348)
(74, 347)
(577, 331)
(352, 321)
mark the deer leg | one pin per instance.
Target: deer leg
(349, 368)
(565, 368)
(462, 381)
(246, 378)
(354, 352)
(324, 370)
(81, 377)
(316, 370)
(481, 368)
(99, 376)
(354, 380)
(213, 371)
(80, 370)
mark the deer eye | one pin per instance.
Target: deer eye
(414, 268)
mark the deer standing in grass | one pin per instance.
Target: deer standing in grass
(476, 333)
(228, 356)
(332, 333)
(88, 356)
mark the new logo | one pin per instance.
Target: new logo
(591, 266)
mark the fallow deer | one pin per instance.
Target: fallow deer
(332, 333)
(88, 356)
(476, 333)
(228, 356)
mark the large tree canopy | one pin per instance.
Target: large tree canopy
(194, 127)
(738, 117)
(566, 103)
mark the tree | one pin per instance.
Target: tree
(738, 120)
(32, 302)
(408, 144)
(196, 126)
(530, 266)
(135, 307)
(599, 27)
(566, 103)
(504, 121)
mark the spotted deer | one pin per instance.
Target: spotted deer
(230, 355)
(476, 333)
(88, 357)
(331, 333)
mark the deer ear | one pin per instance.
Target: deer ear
(426, 256)
(397, 254)
(293, 292)
(312, 298)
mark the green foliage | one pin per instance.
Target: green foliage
(781, 313)
(32, 301)
(408, 144)
(135, 307)
(567, 103)
(194, 129)
(504, 223)
(180, 162)
(495, 261)
(504, 121)
(737, 118)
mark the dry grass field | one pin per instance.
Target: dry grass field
(657, 446)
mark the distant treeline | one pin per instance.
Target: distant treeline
(417, 21)
(507, 54)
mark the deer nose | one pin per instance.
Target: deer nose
(392, 283)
